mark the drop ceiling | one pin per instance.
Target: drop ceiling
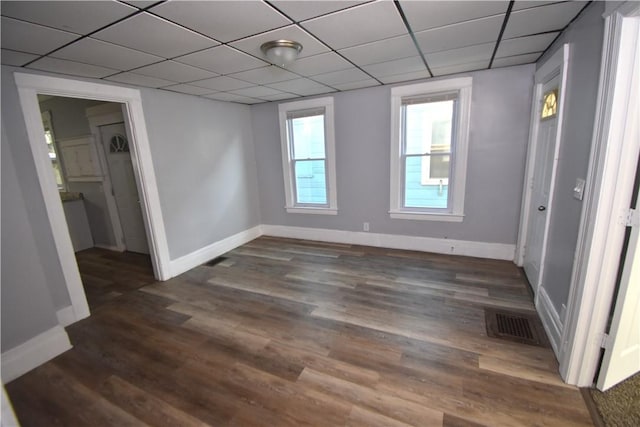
(212, 48)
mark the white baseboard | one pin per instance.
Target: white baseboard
(195, 258)
(393, 241)
(550, 319)
(33, 353)
(66, 316)
(109, 247)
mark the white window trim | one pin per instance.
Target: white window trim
(460, 149)
(329, 135)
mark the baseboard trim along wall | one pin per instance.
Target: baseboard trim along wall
(550, 319)
(393, 241)
(66, 316)
(33, 353)
(197, 257)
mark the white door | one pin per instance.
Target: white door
(541, 185)
(116, 148)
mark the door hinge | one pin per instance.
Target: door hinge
(631, 218)
(604, 343)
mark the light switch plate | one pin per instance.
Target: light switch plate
(578, 190)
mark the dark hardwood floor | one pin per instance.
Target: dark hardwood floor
(292, 333)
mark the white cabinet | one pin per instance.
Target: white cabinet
(80, 159)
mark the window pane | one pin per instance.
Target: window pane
(432, 192)
(428, 127)
(308, 137)
(550, 104)
(311, 182)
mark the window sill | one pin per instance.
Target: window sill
(313, 211)
(426, 216)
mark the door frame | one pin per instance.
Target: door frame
(612, 164)
(29, 86)
(555, 65)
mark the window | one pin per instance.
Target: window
(429, 133)
(308, 153)
(550, 104)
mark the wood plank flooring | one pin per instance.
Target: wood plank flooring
(297, 333)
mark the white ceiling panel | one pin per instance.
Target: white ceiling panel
(310, 45)
(222, 60)
(454, 36)
(423, 15)
(516, 60)
(527, 44)
(154, 35)
(541, 19)
(222, 83)
(232, 97)
(81, 17)
(319, 64)
(404, 77)
(63, 66)
(188, 89)
(460, 68)
(301, 10)
(31, 38)
(526, 4)
(223, 20)
(139, 80)
(361, 24)
(465, 55)
(141, 3)
(344, 76)
(96, 52)
(281, 96)
(381, 51)
(397, 66)
(256, 92)
(175, 71)
(265, 75)
(356, 85)
(304, 87)
(17, 59)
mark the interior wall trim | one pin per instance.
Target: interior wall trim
(66, 316)
(33, 353)
(550, 319)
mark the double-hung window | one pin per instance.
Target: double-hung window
(308, 156)
(429, 139)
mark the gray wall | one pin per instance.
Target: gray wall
(69, 115)
(585, 39)
(500, 114)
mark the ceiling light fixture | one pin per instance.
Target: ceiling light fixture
(281, 52)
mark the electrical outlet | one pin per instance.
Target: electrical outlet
(365, 226)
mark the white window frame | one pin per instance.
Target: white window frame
(459, 149)
(329, 140)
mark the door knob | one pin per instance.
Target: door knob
(542, 208)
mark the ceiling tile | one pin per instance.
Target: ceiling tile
(541, 19)
(465, 55)
(17, 59)
(526, 4)
(397, 66)
(310, 46)
(80, 17)
(303, 87)
(344, 76)
(175, 71)
(221, 83)
(232, 97)
(356, 85)
(301, 10)
(188, 89)
(256, 92)
(405, 77)
(139, 80)
(70, 67)
(141, 3)
(31, 38)
(384, 50)
(423, 15)
(361, 24)
(460, 68)
(467, 33)
(516, 60)
(319, 64)
(222, 60)
(265, 75)
(281, 96)
(154, 35)
(96, 52)
(223, 20)
(526, 44)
